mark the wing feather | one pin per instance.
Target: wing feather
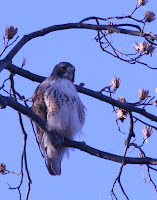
(39, 107)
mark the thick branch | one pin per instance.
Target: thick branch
(32, 116)
(120, 159)
(4, 63)
(79, 145)
(125, 106)
(24, 73)
(47, 30)
(83, 90)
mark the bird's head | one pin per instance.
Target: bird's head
(64, 70)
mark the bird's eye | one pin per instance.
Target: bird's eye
(64, 68)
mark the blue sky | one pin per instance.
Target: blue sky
(83, 176)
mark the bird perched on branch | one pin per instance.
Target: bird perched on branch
(57, 102)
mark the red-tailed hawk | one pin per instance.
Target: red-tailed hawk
(57, 102)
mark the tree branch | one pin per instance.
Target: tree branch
(56, 140)
(24, 155)
(44, 31)
(83, 90)
(25, 73)
(131, 133)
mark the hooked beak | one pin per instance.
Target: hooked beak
(70, 73)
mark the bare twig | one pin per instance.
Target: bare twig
(127, 144)
(145, 122)
(119, 129)
(116, 17)
(8, 45)
(118, 180)
(131, 133)
(150, 178)
(24, 157)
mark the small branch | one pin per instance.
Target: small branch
(118, 180)
(127, 143)
(139, 148)
(116, 17)
(122, 189)
(8, 45)
(153, 168)
(150, 179)
(119, 129)
(131, 133)
(145, 123)
(24, 156)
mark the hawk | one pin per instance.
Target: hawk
(56, 101)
